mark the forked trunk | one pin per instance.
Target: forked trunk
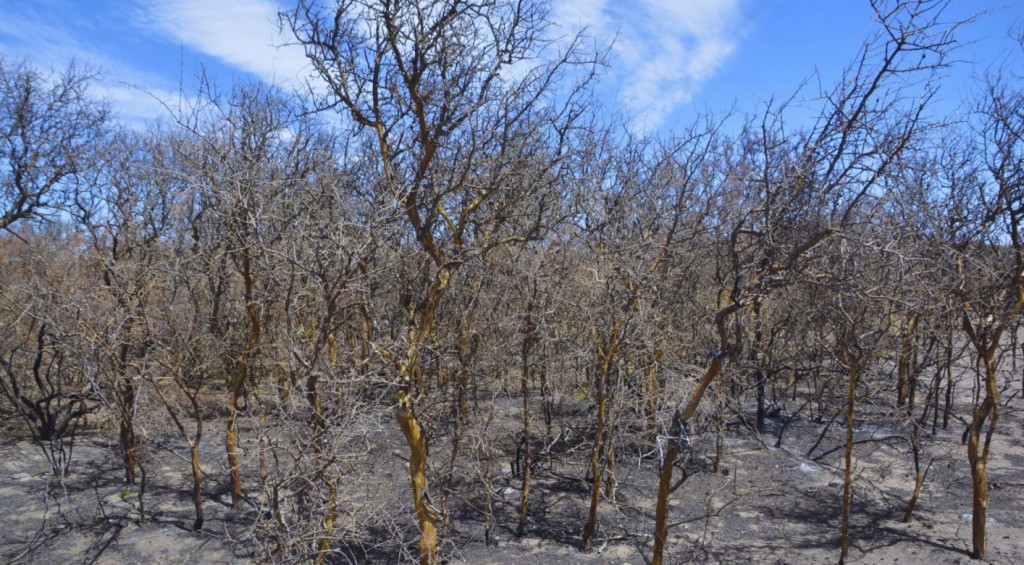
(987, 412)
(665, 486)
(918, 477)
(422, 327)
(237, 381)
(194, 441)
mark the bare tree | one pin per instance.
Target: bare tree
(802, 189)
(989, 265)
(432, 83)
(41, 367)
(49, 127)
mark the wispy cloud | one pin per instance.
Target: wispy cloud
(664, 49)
(138, 106)
(137, 96)
(241, 33)
(20, 37)
(580, 13)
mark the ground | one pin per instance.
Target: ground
(768, 505)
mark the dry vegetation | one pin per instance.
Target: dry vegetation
(466, 319)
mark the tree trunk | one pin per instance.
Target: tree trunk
(525, 389)
(606, 355)
(319, 425)
(978, 459)
(587, 543)
(197, 474)
(987, 345)
(197, 485)
(760, 377)
(231, 443)
(977, 456)
(716, 466)
(844, 528)
(930, 404)
(665, 487)
(143, 483)
(915, 445)
(903, 363)
(405, 412)
(128, 442)
(238, 380)
(413, 433)
(194, 441)
(948, 366)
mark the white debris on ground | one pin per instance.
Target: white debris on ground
(809, 468)
(967, 517)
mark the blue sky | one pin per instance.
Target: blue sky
(671, 58)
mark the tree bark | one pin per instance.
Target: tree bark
(128, 442)
(760, 377)
(528, 337)
(231, 441)
(665, 487)
(903, 364)
(844, 528)
(197, 473)
(237, 381)
(405, 413)
(587, 542)
(413, 432)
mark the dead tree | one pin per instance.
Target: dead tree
(429, 84)
(796, 193)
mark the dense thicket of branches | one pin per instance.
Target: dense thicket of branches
(466, 265)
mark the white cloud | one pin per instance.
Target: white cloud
(664, 49)
(241, 33)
